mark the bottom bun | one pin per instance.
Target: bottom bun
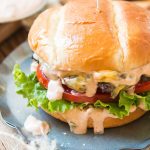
(108, 121)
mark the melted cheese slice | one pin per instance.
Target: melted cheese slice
(130, 78)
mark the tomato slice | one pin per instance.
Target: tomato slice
(81, 98)
(41, 77)
(142, 87)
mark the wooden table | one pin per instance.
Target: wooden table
(9, 140)
(12, 42)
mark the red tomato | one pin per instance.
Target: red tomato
(81, 98)
(142, 87)
(41, 77)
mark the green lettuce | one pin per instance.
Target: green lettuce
(29, 87)
(120, 109)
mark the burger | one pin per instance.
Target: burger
(91, 64)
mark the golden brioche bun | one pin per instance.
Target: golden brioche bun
(80, 37)
(108, 122)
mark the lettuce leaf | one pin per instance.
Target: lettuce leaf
(120, 109)
(144, 98)
(112, 108)
(29, 87)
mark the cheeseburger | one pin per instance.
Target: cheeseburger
(91, 64)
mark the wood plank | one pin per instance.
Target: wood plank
(2, 56)
(7, 29)
(9, 140)
(12, 42)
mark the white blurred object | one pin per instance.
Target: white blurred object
(12, 10)
(53, 1)
(35, 126)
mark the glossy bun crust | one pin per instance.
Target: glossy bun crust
(81, 36)
(108, 122)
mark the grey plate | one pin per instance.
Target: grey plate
(15, 108)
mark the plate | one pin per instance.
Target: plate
(31, 7)
(15, 108)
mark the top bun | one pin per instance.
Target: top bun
(81, 36)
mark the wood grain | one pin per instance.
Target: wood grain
(9, 140)
(12, 42)
(7, 29)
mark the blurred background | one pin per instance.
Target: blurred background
(17, 16)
